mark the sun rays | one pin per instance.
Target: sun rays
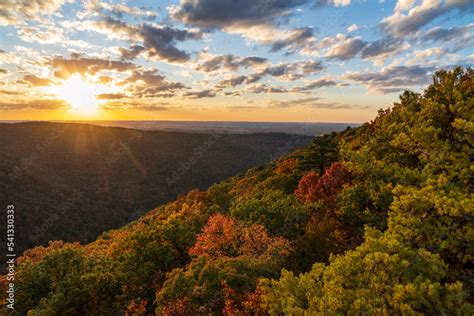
(79, 94)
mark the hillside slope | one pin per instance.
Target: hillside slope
(392, 201)
(74, 181)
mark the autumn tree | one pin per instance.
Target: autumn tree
(229, 258)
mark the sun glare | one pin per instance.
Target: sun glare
(79, 94)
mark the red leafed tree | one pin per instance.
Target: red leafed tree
(217, 239)
(312, 187)
(307, 187)
(224, 237)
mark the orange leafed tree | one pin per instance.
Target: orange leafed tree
(224, 237)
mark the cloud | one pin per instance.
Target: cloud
(43, 34)
(154, 108)
(120, 105)
(83, 65)
(17, 11)
(116, 9)
(402, 23)
(312, 102)
(3, 71)
(160, 42)
(315, 84)
(392, 79)
(9, 92)
(200, 94)
(459, 37)
(353, 28)
(8, 58)
(36, 81)
(336, 3)
(225, 14)
(264, 88)
(285, 71)
(381, 47)
(41, 104)
(292, 39)
(404, 5)
(132, 52)
(157, 42)
(234, 81)
(256, 20)
(148, 83)
(294, 70)
(345, 47)
(229, 62)
(105, 79)
(111, 96)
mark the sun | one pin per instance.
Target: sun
(79, 94)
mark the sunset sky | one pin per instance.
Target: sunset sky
(242, 60)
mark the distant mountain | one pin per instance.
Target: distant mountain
(309, 128)
(74, 181)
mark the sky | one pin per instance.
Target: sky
(224, 60)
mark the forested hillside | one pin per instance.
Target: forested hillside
(75, 181)
(374, 220)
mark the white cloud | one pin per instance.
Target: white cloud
(401, 23)
(403, 5)
(353, 28)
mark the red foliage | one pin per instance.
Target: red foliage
(223, 237)
(218, 237)
(312, 187)
(307, 187)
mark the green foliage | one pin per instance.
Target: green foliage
(422, 264)
(383, 276)
(66, 282)
(281, 214)
(320, 154)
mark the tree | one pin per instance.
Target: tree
(279, 213)
(320, 154)
(422, 150)
(229, 257)
(313, 188)
(381, 277)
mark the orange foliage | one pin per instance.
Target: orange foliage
(177, 308)
(223, 237)
(253, 303)
(136, 309)
(249, 303)
(286, 166)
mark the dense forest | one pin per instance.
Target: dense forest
(75, 181)
(376, 220)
